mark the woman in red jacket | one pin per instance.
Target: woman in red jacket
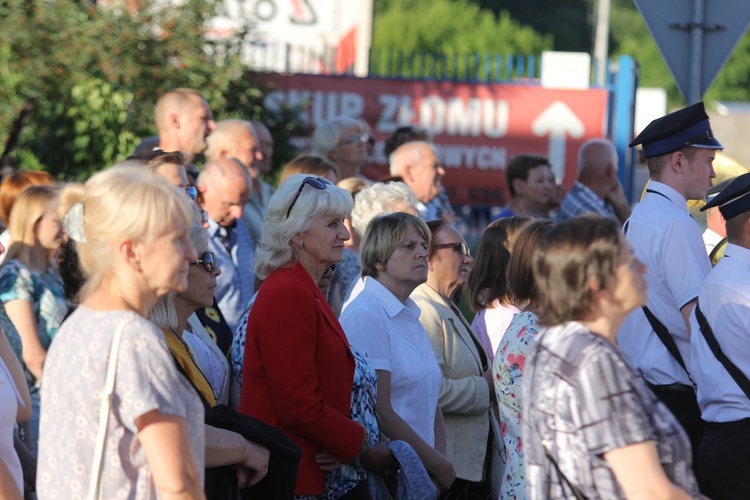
(298, 368)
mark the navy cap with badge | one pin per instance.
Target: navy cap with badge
(733, 199)
(685, 127)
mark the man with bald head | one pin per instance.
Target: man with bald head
(242, 139)
(225, 186)
(183, 121)
(417, 164)
(597, 190)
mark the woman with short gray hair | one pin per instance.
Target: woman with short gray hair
(343, 140)
(379, 199)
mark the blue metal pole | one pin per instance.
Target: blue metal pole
(622, 122)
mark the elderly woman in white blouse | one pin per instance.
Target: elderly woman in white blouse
(383, 324)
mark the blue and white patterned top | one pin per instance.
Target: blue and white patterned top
(43, 290)
(237, 352)
(364, 389)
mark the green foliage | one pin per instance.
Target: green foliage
(90, 124)
(451, 26)
(95, 73)
(566, 21)
(733, 82)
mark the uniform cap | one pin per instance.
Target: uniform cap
(733, 199)
(685, 127)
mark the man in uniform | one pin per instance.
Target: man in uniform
(679, 150)
(722, 318)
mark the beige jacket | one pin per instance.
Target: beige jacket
(464, 394)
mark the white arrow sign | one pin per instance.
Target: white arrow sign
(558, 121)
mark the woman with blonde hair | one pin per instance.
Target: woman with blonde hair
(383, 324)
(11, 187)
(298, 368)
(30, 287)
(147, 438)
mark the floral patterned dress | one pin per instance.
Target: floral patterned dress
(507, 370)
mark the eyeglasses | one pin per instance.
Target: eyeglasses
(354, 139)
(207, 260)
(192, 192)
(316, 182)
(460, 247)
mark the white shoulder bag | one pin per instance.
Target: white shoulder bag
(95, 483)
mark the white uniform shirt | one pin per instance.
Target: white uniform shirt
(669, 242)
(711, 238)
(725, 302)
(388, 333)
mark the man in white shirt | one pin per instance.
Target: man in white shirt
(679, 149)
(722, 318)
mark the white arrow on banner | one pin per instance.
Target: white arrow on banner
(558, 121)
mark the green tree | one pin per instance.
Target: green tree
(451, 26)
(733, 82)
(94, 74)
(568, 21)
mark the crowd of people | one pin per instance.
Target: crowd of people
(174, 332)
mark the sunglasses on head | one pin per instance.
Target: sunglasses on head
(460, 247)
(207, 260)
(316, 182)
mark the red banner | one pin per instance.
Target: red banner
(477, 127)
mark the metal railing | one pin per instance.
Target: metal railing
(391, 63)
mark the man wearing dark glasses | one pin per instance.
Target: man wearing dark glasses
(225, 188)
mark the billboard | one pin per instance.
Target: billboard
(477, 127)
(314, 36)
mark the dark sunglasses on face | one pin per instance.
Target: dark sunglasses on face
(316, 182)
(460, 247)
(207, 260)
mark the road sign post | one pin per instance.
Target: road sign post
(695, 42)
